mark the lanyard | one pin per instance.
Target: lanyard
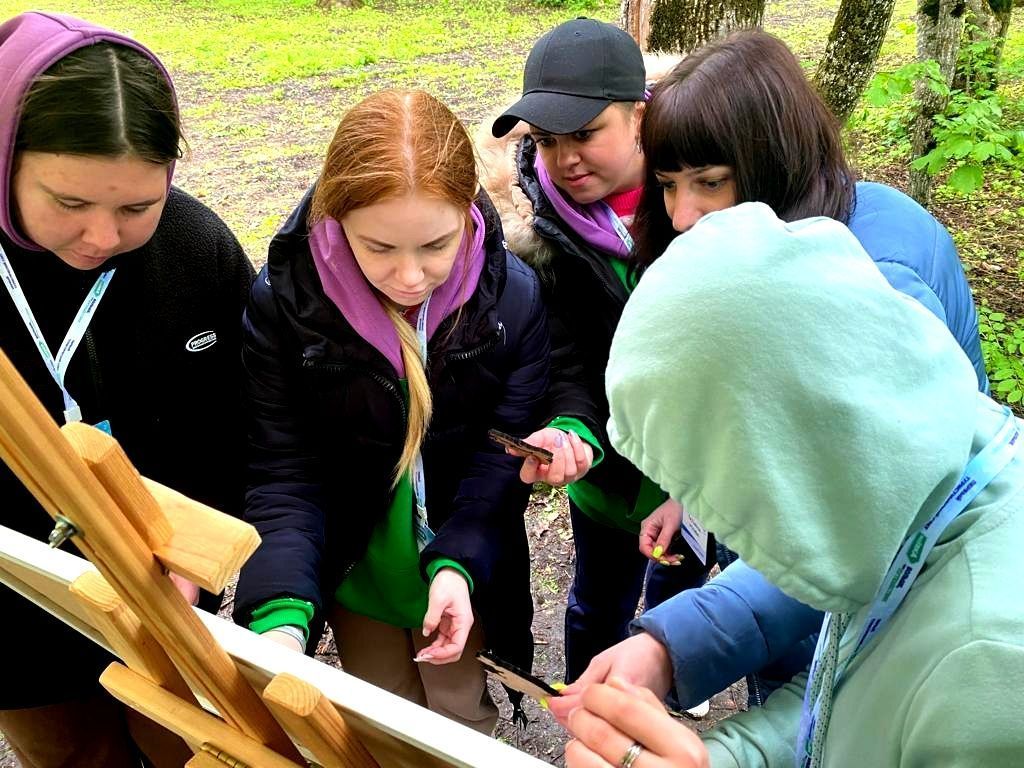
(58, 366)
(419, 481)
(619, 227)
(908, 564)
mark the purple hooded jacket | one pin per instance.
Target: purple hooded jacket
(29, 45)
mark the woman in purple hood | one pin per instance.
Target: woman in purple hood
(389, 331)
(121, 308)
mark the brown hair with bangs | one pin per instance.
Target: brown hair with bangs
(393, 144)
(744, 102)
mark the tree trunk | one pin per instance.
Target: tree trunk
(940, 24)
(635, 18)
(680, 26)
(850, 55)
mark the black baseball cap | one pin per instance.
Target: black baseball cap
(572, 74)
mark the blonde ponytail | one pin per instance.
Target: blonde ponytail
(420, 401)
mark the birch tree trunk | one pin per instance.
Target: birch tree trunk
(850, 55)
(680, 26)
(940, 24)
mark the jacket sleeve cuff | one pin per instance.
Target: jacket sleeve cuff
(437, 565)
(581, 429)
(277, 613)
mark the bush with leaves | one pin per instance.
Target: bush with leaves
(970, 134)
(1002, 344)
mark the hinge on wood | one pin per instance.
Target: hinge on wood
(223, 757)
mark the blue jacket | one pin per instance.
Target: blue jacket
(739, 622)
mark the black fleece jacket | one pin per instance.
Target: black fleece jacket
(161, 362)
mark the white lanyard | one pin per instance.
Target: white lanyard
(57, 367)
(419, 481)
(908, 564)
(620, 228)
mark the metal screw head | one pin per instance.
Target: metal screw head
(62, 531)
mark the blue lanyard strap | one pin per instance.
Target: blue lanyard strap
(419, 481)
(58, 366)
(900, 577)
(619, 227)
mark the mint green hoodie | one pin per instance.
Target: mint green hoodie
(767, 377)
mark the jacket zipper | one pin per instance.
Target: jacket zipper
(387, 384)
(486, 346)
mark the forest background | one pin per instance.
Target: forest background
(263, 83)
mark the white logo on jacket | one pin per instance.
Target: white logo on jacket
(202, 340)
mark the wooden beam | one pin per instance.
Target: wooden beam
(314, 722)
(130, 641)
(32, 443)
(191, 723)
(206, 546)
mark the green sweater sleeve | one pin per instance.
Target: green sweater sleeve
(763, 737)
(566, 423)
(437, 565)
(277, 613)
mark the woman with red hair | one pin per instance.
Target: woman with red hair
(390, 329)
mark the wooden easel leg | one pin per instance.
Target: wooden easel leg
(193, 724)
(315, 723)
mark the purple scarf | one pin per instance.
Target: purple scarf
(346, 286)
(591, 222)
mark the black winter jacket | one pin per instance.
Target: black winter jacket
(329, 421)
(147, 364)
(584, 296)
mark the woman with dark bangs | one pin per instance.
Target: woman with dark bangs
(734, 122)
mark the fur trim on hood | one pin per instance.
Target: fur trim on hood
(499, 176)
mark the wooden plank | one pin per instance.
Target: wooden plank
(32, 443)
(130, 641)
(187, 537)
(188, 721)
(396, 732)
(313, 722)
(206, 546)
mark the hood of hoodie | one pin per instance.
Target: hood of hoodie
(324, 330)
(29, 45)
(345, 285)
(768, 377)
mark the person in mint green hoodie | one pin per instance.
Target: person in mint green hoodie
(828, 429)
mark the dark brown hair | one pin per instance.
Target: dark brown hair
(743, 102)
(105, 99)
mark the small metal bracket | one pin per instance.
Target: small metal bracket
(62, 531)
(222, 757)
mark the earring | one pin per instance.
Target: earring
(639, 149)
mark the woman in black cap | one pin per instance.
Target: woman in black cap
(567, 178)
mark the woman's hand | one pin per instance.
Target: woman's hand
(450, 613)
(622, 724)
(572, 457)
(657, 530)
(188, 590)
(639, 660)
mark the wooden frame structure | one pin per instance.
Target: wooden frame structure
(180, 662)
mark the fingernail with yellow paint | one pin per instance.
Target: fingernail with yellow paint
(543, 702)
(559, 686)
(658, 550)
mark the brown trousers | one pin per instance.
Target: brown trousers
(382, 654)
(94, 732)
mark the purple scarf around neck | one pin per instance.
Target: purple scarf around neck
(591, 222)
(346, 286)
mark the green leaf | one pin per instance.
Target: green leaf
(1006, 386)
(1015, 396)
(982, 151)
(966, 178)
(961, 148)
